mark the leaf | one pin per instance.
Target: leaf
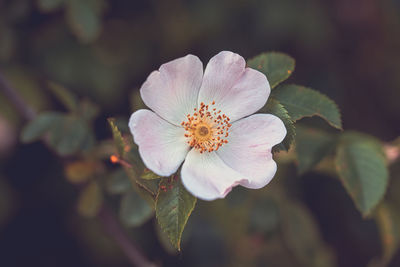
(149, 175)
(118, 182)
(173, 207)
(303, 102)
(49, 5)
(68, 99)
(118, 140)
(388, 221)
(164, 241)
(36, 128)
(83, 18)
(67, 134)
(276, 66)
(312, 145)
(79, 172)
(362, 169)
(88, 110)
(70, 135)
(134, 210)
(90, 200)
(146, 188)
(275, 108)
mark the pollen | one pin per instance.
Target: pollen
(206, 129)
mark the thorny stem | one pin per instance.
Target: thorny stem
(106, 217)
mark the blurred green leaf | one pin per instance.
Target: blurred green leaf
(90, 200)
(36, 128)
(362, 169)
(88, 110)
(149, 175)
(303, 102)
(312, 145)
(118, 140)
(275, 108)
(134, 210)
(68, 99)
(118, 182)
(67, 134)
(173, 207)
(70, 134)
(80, 171)
(84, 18)
(49, 5)
(276, 66)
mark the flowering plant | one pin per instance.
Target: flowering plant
(202, 120)
(200, 136)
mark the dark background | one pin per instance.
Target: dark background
(347, 49)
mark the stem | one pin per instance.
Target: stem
(128, 247)
(105, 216)
(16, 100)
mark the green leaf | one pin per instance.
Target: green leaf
(362, 169)
(88, 110)
(67, 134)
(164, 240)
(83, 18)
(173, 207)
(275, 108)
(134, 210)
(149, 175)
(303, 102)
(118, 140)
(90, 200)
(312, 145)
(68, 99)
(49, 5)
(276, 66)
(146, 188)
(388, 221)
(36, 128)
(70, 135)
(118, 182)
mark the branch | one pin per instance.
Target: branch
(105, 216)
(128, 247)
(16, 100)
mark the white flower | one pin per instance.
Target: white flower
(203, 121)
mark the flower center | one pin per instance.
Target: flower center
(206, 129)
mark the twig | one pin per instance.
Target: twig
(119, 235)
(105, 216)
(16, 100)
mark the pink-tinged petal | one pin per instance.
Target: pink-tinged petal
(237, 91)
(172, 91)
(249, 148)
(207, 177)
(162, 146)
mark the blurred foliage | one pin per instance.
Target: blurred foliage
(78, 63)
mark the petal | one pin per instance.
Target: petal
(249, 148)
(172, 91)
(236, 90)
(207, 177)
(162, 146)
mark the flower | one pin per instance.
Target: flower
(202, 120)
